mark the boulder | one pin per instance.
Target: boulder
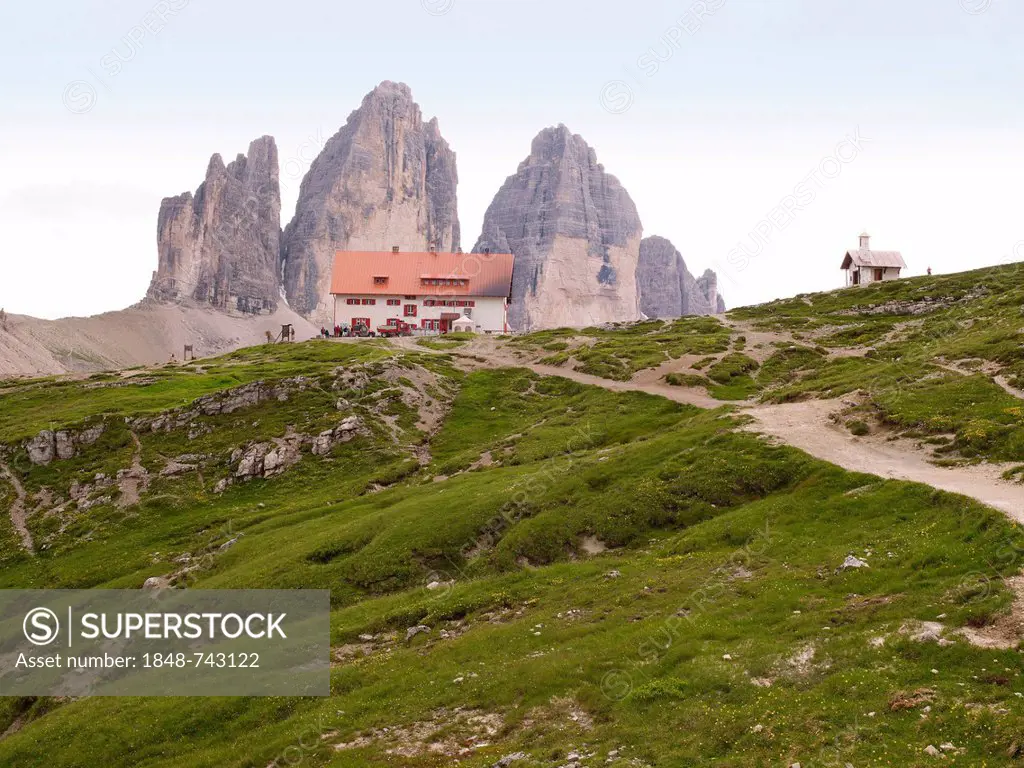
(273, 463)
(65, 444)
(251, 463)
(42, 448)
(324, 443)
(411, 632)
(90, 435)
(851, 563)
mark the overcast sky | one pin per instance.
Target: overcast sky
(760, 136)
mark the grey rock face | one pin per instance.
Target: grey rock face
(666, 287)
(220, 247)
(228, 401)
(270, 459)
(42, 448)
(64, 444)
(707, 285)
(575, 234)
(659, 278)
(385, 179)
(324, 443)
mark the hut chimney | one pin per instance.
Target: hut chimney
(865, 242)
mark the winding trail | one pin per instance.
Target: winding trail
(135, 481)
(1003, 382)
(804, 425)
(685, 395)
(18, 513)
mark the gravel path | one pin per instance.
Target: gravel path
(807, 426)
(18, 512)
(804, 425)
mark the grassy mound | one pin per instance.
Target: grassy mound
(613, 574)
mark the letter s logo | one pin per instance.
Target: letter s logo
(41, 626)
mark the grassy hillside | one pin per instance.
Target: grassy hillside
(614, 575)
(935, 358)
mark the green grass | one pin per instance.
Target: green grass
(619, 351)
(685, 380)
(446, 342)
(662, 628)
(61, 403)
(732, 374)
(724, 544)
(890, 341)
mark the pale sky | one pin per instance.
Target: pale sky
(719, 117)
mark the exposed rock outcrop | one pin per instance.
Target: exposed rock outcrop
(274, 458)
(225, 402)
(575, 234)
(220, 247)
(324, 443)
(666, 287)
(62, 444)
(385, 179)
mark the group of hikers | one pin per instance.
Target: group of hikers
(339, 331)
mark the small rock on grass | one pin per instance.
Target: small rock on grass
(507, 760)
(411, 632)
(851, 563)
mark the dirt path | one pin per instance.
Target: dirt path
(803, 425)
(1003, 382)
(806, 426)
(18, 512)
(988, 369)
(135, 480)
(498, 357)
(685, 395)
(760, 345)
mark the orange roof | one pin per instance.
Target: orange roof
(485, 274)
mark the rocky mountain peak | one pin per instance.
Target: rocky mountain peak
(666, 287)
(220, 246)
(386, 178)
(575, 233)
